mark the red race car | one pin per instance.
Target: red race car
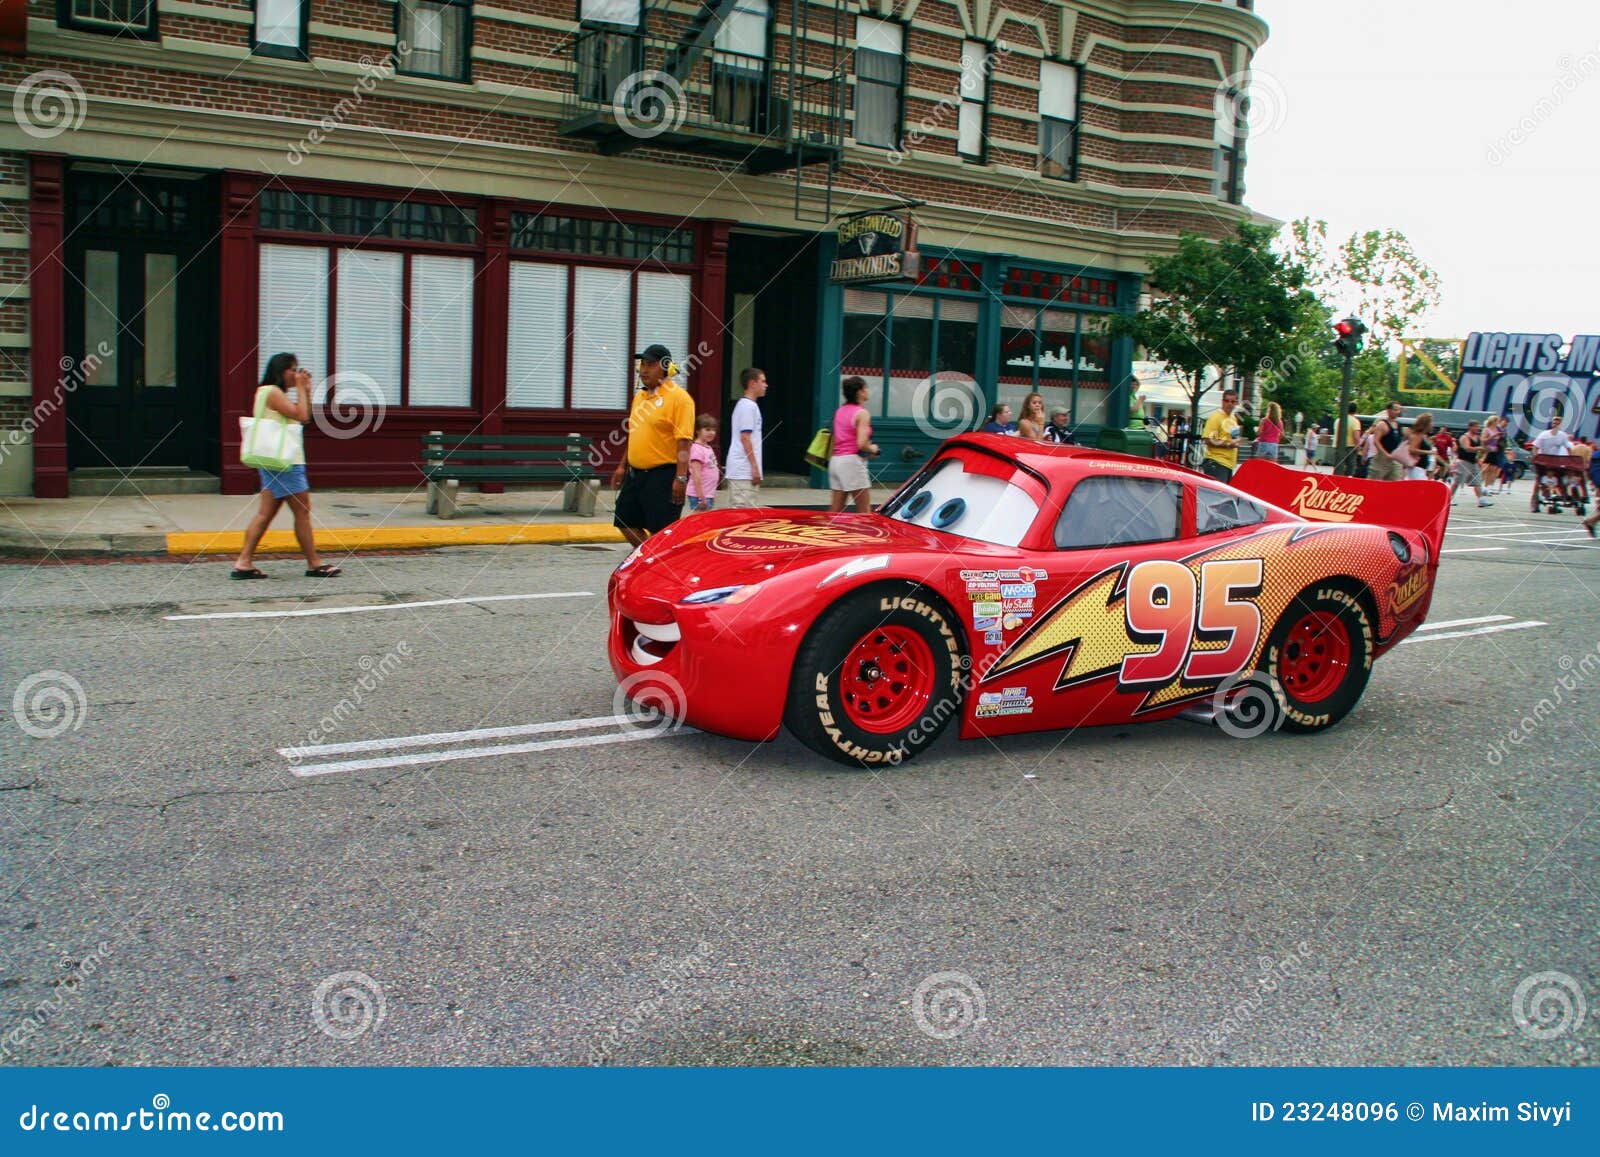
(1021, 586)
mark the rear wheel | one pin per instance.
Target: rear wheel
(878, 677)
(1320, 657)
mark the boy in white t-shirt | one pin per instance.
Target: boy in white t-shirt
(744, 449)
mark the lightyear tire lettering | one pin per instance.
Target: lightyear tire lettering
(1313, 696)
(819, 712)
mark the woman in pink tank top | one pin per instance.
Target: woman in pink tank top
(852, 442)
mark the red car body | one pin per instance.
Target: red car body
(1039, 624)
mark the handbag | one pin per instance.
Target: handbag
(1403, 455)
(821, 447)
(270, 441)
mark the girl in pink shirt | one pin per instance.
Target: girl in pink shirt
(703, 473)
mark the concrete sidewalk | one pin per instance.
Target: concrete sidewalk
(346, 520)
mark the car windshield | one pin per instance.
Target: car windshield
(969, 503)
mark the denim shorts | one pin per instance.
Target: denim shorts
(698, 504)
(283, 483)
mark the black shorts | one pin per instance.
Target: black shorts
(1214, 469)
(645, 500)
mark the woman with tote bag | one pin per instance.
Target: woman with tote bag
(272, 443)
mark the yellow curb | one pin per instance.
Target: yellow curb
(393, 538)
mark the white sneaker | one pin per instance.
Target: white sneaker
(1483, 502)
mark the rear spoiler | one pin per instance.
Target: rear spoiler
(1420, 506)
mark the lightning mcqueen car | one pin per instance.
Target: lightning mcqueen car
(1022, 586)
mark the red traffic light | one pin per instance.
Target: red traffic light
(1344, 329)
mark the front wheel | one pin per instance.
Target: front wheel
(1320, 657)
(878, 678)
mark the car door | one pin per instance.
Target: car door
(1063, 666)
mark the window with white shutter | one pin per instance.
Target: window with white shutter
(1058, 120)
(441, 331)
(293, 315)
(280, 28)
(536, 344)
(663, 316)
(368, 326)
(602, 363)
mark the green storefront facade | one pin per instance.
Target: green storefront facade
(972, 329)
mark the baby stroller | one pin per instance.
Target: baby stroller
(1559, 480)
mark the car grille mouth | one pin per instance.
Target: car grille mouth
(650, 643)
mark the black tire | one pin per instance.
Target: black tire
(817, 712)
(1287, 660)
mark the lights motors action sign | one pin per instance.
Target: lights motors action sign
(1529, 378)
(875, 247)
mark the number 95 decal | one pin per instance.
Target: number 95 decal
(1189, 617)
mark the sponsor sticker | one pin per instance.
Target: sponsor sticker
(1026, 574)
(994, 638)
(1012, 622)
(1006, 701)
(978, 576)
(986, 623)
(1016, 605)
(1018, 591)
(988, 608)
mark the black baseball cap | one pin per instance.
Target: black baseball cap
(655, 353)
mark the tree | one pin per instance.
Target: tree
(1231, 304)
(1377, 274)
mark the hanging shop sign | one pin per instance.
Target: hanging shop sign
(875, 247)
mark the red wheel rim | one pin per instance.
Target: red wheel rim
(1315, 657)
(887, 679)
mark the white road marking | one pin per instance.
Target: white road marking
(418, 757)
(440, 737)
(1476, 631)
(1464, 622)
(1470, 549)
(1481, 525)
(309, 611)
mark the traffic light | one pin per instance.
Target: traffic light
(1348, 336)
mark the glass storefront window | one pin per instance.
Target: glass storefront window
(866, 343)
(1018, 371)
(911, 358)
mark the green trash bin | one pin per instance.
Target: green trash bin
(1135, 440)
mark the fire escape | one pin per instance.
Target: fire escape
(757, 82)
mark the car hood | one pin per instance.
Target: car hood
(728, 548)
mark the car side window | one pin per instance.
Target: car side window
(1119, 511)
(1216, 510)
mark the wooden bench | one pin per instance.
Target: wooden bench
(451, 459)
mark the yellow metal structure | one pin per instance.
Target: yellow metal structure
(1413, 345)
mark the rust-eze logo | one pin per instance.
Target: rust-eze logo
(783, 534)
(1326, 503)
(1406, 592)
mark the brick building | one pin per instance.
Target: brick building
(467, 216)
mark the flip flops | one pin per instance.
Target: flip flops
(326, 570)
(252, 573)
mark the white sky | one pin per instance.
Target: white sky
(1386, 115)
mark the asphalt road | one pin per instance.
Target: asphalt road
(174, 893)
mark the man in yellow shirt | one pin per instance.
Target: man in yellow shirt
(651, 478)
(1221, 436)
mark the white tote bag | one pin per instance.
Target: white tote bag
(269, 441)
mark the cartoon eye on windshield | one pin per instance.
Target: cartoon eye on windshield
(969, 504)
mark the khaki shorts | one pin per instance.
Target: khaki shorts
(1467, 473)
(848, 472)
(743, 492)
(1386, 469)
